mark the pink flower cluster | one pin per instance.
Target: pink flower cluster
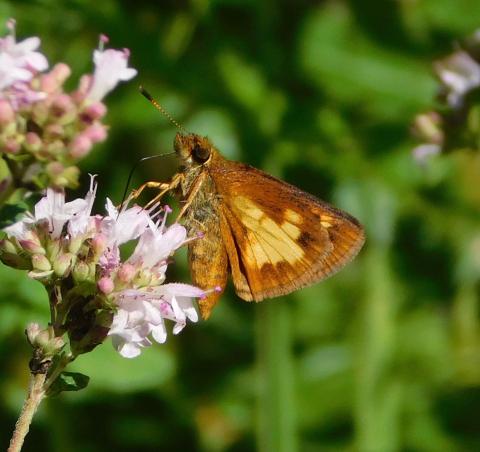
(72, 251)
(44, 130)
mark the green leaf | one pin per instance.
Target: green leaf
(13, 212)
(156, 366)
(68, 381)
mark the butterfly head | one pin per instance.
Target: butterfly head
(193, 149)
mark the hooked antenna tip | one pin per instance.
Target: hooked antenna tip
(145, 93)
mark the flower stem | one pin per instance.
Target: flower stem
(35, 395)
(276, 428)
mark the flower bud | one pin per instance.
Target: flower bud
(11, 146)
(75, 244)
(80, 271)
(83, 87)
(54, 130)
(80, 146)
(96, 133)
(58, 343)
(94, 111)
(16, 261)
(32, 331)
(42, 339)
(70, 177)
(7, 246)
(62, 71)
(62, 104)
(53, 247)
(55, 169)
(53, 346)
(7, 113)
(40, 113)
(105, 285)
(99, 244)
(55, 148)
(61, 265)
(9, 256)
(8, 130)
(126, 273)
(41, 263)
(32, 246)
(52, 81)
(33, 142)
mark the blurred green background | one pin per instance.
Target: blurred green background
(383, 357)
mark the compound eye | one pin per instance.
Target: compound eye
(200, 153)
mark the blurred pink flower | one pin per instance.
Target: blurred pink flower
(460, 73)
(423, 152)
(19, 61)
(110, 69)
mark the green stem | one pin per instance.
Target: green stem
(276, 429)
(62, 363)
(378, 393)
(39, 386)
(35, 396)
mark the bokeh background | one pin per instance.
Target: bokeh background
(383, 357)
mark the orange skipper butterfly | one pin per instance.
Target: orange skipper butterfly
(271, 236)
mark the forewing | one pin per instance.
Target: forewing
(282, 238)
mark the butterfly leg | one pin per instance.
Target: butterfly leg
(164, 187)
(193, 192)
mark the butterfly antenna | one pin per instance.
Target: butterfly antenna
(150, 157)
(161, 109)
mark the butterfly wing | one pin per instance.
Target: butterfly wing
(277, 237)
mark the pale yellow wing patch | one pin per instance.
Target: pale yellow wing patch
(271, 242)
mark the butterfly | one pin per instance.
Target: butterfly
(271, 236)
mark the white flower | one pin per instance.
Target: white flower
(10, 72)
(19, 60)
(56, 211)
(178, 298)
(24, 52)
(141, 314)
(110, 69)
(460, 73)
(81, 221)
(130, 329)
(120, 227)
(124, 225)
(18, 230)
(52, 209)
(156, 244)
(20, 94)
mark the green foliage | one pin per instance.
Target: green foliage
(382, 357)
(11, 213)
(68, 381)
